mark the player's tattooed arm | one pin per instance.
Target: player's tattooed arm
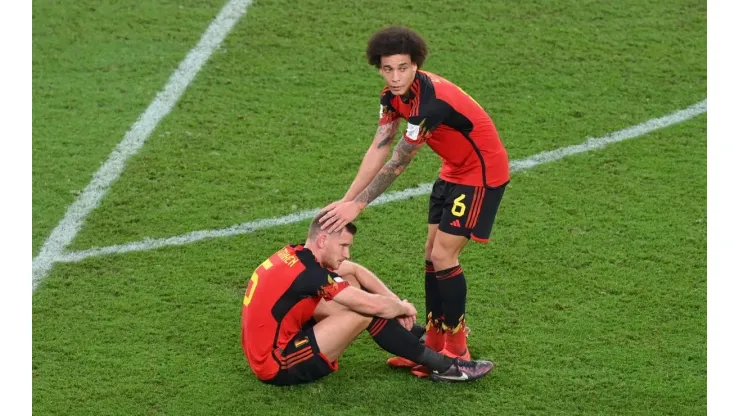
(386, 133)
(402, 156)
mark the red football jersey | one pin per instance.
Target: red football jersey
(454, 126)
(281, 296)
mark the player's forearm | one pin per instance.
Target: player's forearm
(389, 308)
(382, 181)
(374, 158)
(369, 280)
(371, 164)
(371, 304)
(402, 156)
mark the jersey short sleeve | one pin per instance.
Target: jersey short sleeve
(387, 112)
(335, 284)
(430, 113)
(318, 281)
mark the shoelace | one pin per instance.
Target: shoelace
(462, 363)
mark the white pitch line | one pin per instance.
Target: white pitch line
(135, 138)
(515, 165)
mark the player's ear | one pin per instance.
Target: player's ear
(321, 240)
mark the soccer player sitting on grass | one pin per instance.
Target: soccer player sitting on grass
(305, 304)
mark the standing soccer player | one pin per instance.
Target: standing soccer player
(465, 197)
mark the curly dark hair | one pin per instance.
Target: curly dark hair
(394, 40)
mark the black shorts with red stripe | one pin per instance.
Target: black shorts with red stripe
(464, 210)
(301, 361)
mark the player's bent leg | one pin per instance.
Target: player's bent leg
(335, 332)
(327, 308)
(394, 338)
(419, 332)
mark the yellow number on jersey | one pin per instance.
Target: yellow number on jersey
(252, 285)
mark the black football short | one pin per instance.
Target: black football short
(464, 210)
(301, 361)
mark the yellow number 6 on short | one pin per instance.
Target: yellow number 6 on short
(252, 285)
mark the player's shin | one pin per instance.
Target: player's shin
(435, 336)
(453, 288)
(397, 340)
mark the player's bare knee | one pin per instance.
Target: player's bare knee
(352, 280)
(359, 321)
(363, 319)
(443, 258)
(355, 317)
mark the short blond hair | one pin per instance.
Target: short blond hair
(315, 228)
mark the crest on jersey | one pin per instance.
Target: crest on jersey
(412, 132)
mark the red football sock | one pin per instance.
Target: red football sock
(435, 335)
(457, 342)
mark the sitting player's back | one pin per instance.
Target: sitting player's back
(280, 298)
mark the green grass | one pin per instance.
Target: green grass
(96, 67)
(591, 298)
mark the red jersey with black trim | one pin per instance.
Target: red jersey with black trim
(454, 125)
(281, 297)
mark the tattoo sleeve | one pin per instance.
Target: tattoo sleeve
(401, 158)
(386, 133)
